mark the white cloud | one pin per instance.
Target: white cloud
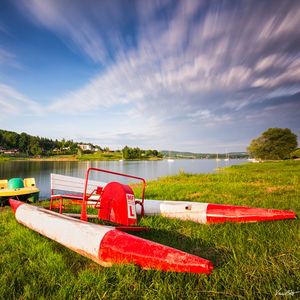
(88, 27)
(12, 102)
(266, 62)
(161, 77)
(9, 59)
(201, 113)
(200, 64)
(236, 104)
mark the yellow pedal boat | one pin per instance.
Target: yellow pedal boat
(16, 188)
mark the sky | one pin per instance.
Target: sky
(190, 75)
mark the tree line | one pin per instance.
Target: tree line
(35, 145)
(132, 153)
(274, 143)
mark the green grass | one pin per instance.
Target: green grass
(100, 156)
(251, 260)
(110, 156)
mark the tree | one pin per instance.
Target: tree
(274, 143)
(155, 152)
(129, 153)
(136, 152)
(36, 150)
(11, 139)
(73, 148)
(24, 141)
(125, 152)
(149, 153)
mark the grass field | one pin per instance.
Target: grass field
(251, 260)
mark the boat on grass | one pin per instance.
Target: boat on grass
(203, 213)
(106, 245)
(209, 213)
(17, 188)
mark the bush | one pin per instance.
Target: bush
(295, 154)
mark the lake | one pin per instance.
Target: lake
(148, 170)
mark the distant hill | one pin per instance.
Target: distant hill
(178, 154)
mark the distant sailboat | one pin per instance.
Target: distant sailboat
(227, 156)
(169, 159)
(217, 157)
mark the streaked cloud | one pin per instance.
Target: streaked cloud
(14, 103)
(194, 66)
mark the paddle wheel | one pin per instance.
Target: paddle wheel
(116, 202)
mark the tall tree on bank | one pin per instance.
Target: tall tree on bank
(274, 143)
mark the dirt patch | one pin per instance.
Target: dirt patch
(257, 182)
(271, 189)
(257, 200)
(224, 195)
(267, 172)
(195, 195)
(135, 185)
(4, 209)
(204, 179)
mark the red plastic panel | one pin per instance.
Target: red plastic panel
(217, 213)
(118, 204)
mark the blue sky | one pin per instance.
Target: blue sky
(198, 76)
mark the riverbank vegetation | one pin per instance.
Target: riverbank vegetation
(251, 260)
(190, 155)
(34, 145)
(24, 146)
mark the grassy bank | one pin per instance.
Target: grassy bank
(251, 260)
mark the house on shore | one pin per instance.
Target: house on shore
(12, 152)
(85, 147)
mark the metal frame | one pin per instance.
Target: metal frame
(85, 197)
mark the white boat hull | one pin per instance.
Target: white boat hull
(211, 213)
(104, 244)
(183, 210)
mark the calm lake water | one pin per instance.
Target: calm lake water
(148, 170)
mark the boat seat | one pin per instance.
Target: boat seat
(3, 184)
(29, 182)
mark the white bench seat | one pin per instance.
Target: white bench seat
(73, 185)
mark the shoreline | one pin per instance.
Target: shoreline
(75, 159)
